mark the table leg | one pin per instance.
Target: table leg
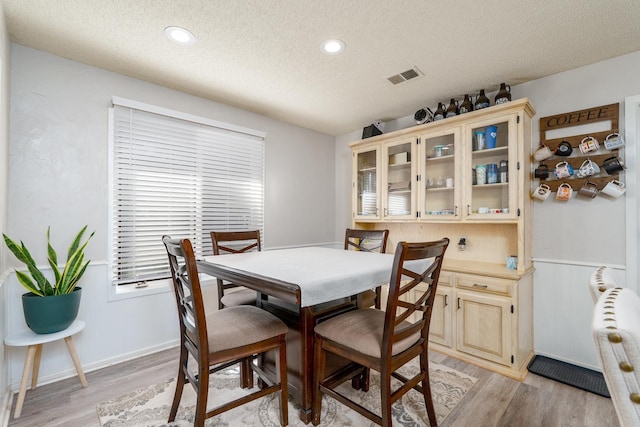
(36, 367)
(76, 360)
(28, 363)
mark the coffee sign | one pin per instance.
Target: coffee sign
(582, 117)
(578, 118)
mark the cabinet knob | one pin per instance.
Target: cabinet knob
(477, 285)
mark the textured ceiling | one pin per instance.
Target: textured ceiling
(264, 55)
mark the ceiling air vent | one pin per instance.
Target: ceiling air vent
(405, 75)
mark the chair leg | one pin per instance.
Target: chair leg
(284, 386)
(426, 390)
(201, 402)
(246, 373)
(385, 395)
(319, 359)
(180, 382)
(177, 396)
(361, 381)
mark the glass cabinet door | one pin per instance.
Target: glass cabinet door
(492, 178)
(439, 177)
(399, 179)
(366, 184)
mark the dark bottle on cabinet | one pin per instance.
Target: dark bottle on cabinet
(439, 113)
(504, 94)
(466, 105)
(452, 109)
(482, 101)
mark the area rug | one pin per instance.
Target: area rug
(149, 407)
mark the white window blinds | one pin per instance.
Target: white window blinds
(180, 176)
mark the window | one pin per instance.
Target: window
(181, 175)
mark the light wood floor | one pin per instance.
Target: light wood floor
(493, 401)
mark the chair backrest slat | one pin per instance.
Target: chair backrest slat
(366, 240)
(410, 269)
(221, 241)
(188, 293)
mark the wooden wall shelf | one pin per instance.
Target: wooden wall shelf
(602, 113)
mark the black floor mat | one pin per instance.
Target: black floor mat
(576, 376)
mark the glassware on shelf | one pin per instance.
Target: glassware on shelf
(479, 142)
(492, 173)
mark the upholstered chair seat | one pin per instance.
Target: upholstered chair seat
(236, 327)
(239, 297)
(362, 331)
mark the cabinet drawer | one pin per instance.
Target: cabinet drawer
(446, 278)
(485, 284)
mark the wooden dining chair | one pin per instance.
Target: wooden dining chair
(368, 241)
(220, 339)
(235, 242)
(384, 340)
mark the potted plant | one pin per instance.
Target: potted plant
(51, 307)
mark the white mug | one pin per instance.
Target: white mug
(542, 192)
(564, 192)
(563, 170)
(588, 144)
(588, 168)
(542, 153)
(613, 141)
(614, 189)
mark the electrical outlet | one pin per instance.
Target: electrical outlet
(462, 243)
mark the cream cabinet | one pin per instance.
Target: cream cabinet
(441, 178)
(399, 177)
(427, 187)
(440, 331)
(478, 318)
(366, 184)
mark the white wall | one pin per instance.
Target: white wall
(4, 174)
(571, 239)
(58, 177)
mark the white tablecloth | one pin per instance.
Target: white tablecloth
(323, 274)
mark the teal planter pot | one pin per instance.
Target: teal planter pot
(46, 315)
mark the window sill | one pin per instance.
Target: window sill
(122, 292)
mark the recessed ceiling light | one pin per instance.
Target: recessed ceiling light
(179, 35)
(333, 46)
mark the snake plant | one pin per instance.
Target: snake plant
(65, 280)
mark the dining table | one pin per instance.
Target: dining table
(302, 286)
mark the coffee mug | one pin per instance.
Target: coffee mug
(589, 189)
(542, 171)
(542, 153)
(542, 192)
(614, 188)
(588, 168)
(564, 192)
(588, 144)
(612, 165)
(563, 170)
(613, 141)
(564, 149)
